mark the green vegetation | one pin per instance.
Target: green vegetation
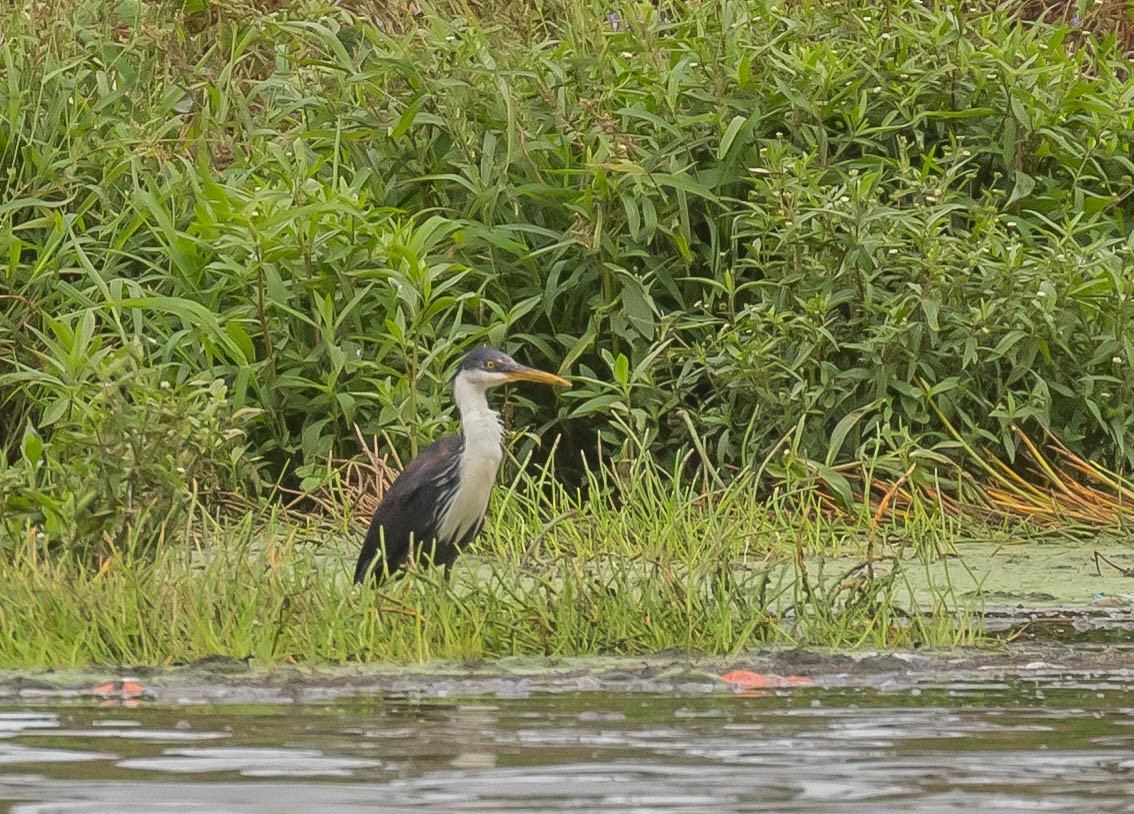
(841, 246)
(665, 570)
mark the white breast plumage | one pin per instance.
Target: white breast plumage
(480, 461)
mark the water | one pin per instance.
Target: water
(1036, 739)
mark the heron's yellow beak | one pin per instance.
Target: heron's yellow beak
(519, 373)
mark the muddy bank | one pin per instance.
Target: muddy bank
(1049, 645)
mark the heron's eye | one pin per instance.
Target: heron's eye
(490, 365)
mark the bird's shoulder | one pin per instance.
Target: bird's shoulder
(429, 464)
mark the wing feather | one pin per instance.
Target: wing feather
(407, 515)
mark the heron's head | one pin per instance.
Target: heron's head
(486, 368)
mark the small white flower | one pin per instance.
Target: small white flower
(844, 199)
(1116, 359)
(1011, 224)
(892, 251)
(1041, 293)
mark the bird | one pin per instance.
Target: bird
(436, 506)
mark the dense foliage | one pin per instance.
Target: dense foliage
(230, 233)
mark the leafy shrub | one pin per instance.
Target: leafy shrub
(117, 454)
(732, 222)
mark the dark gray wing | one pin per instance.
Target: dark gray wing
(409, 511)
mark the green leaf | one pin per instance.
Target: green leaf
(241, 340)
(31, 446)
(637, 306)
(930, 308)
(969, 354)
(599, 405)
(744, 70)
(622, 369)
(944, 386)
(633, 218)
(843, 428)
(838, 484)
(15, 251)
(649, 220)
(1008, 143)
(405, 121)
(428, 234)
(1007, 343)
(729, 136)
(683, 183)
(581, 346)
(1020, 112)
(54, 411)
(1022, 188)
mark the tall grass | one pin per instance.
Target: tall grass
(661, 568)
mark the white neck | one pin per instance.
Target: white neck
(480, 458)
(480, 424)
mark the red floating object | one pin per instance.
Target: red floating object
(122, 689)
(747, 680)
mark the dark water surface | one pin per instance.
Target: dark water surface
(1040, 740)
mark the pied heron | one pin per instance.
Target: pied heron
(436, 506)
